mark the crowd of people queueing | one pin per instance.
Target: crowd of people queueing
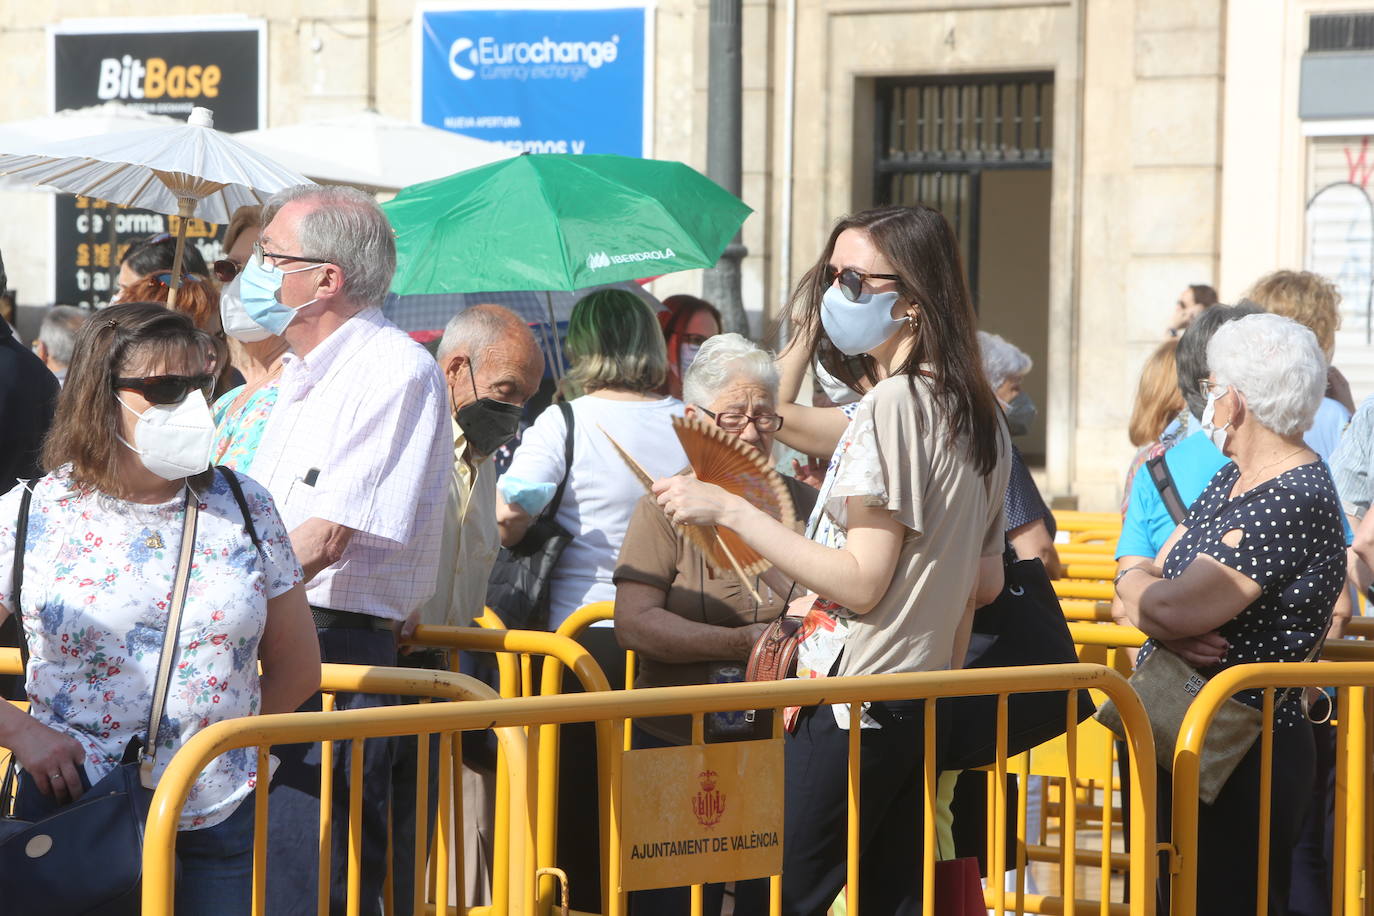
(346, 495)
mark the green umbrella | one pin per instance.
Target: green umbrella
(545, 222)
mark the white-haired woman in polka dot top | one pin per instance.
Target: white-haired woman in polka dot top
(1251, 575)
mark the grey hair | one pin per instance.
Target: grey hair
(721, 360)
(346, 228)
(1276, 364)
(478, 328)
(1002, 359)
(58, 331)
(1191, 355)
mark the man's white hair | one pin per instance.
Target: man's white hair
(480, 327)
(347, 228)
(1276, 364)
(1002, 359)
(723, 359)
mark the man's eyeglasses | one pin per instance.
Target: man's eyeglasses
(167, 389)
(736, 422)
(260, 255)
(852, 281)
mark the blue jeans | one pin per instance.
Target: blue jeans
(294, 809)
(216, 863)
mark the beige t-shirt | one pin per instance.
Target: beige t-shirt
(896, 454)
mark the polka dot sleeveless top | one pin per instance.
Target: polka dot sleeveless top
(1292, 547)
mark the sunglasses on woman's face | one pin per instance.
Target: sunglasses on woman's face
(165, 278)
(224, 270)
(852, 281)
(167, 389)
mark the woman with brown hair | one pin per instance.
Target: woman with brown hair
(687, 323)
(127, 453)
(1159, 408)
(908, 527)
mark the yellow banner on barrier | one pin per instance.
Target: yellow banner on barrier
(701, 813)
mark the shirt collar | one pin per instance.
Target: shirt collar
(309, 369)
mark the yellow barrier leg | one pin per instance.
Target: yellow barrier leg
(444, 834)
(1354, 890)
(928, 842)
(355, 828)
(852, 876)
(326, 809)
(260, 831)
(1340, 861)
(420, 869)
(1068, 809)
(1266, 814)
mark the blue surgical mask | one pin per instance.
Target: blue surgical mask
(858, 327)
(258, 294)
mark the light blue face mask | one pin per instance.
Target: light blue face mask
(258, 295)
(858, 327)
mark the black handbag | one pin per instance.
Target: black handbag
(86, 858)
(1024, 626)
(518, 588)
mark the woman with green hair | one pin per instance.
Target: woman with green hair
(618, 362)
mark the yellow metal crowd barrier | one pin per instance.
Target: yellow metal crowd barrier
(1351, 860)
(262, 732)
(509, 716)
(558, 651)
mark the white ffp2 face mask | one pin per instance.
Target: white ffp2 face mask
(1217, 434)
(238, 324)
(174, 440)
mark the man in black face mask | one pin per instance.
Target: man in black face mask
(492, 365)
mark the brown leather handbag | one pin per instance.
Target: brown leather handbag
(774, 655)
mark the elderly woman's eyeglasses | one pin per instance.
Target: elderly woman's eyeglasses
(736, 422)
(852, 281)
(167, 389)
(1207, 387)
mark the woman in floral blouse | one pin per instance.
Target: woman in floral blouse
(128, 448)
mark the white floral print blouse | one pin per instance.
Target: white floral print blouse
(98, 575)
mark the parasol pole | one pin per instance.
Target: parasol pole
(186, 206)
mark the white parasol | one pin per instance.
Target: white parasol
(188, 169)
(30, 134)
(372, 150)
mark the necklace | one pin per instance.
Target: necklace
(1256, 475)
(159, 512)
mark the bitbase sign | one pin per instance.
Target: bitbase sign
(539, 80)
(163, 67)
(702, 813)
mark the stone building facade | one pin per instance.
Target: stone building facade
(1096, 157)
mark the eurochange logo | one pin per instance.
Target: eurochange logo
(489, 58)
(599, 259)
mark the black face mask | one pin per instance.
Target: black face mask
(486, 423)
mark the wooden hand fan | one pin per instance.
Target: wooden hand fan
(729, 462)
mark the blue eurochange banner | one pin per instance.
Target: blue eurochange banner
(537, 80)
